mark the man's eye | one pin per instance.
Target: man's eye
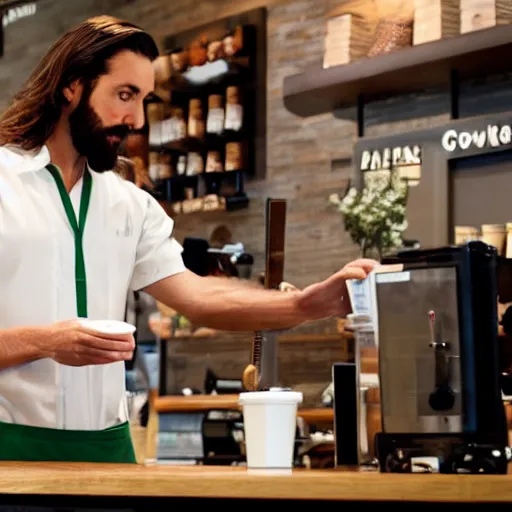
(125, 95)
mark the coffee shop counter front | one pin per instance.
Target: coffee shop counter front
(139, 487)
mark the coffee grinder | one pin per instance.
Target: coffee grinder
(441, 401)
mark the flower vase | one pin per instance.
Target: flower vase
(373, 253)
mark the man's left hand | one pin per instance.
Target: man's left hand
(330, 297)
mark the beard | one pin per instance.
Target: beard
(91, 138)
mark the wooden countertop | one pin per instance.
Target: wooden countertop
(236, 482)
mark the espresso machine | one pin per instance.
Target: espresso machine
(439, 375)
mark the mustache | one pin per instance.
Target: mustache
(120, 130)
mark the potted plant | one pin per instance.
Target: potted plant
(375, 215)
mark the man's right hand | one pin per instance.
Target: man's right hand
(72, 344)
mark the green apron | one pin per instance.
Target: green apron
(28, 443)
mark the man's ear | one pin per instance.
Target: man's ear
(72, 93)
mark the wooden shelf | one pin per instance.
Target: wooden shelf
(204, 403)
(178, 403)
(409, 70)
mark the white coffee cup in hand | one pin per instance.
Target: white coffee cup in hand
(84, 342)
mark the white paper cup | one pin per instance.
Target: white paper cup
(270, 422)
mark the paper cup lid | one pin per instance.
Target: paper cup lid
(270, 397)
(108, 326)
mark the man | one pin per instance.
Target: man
(75, 238)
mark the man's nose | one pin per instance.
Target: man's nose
(137, 118)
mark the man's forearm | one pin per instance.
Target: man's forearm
(20, 345)
(226, 304)
(248, 309)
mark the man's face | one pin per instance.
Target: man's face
(103, 118)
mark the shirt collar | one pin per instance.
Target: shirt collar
(20, 160)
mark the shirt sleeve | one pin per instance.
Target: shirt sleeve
(158, 253)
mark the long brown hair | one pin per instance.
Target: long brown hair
(80, 54)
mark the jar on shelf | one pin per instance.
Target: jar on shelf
(234, 110)
(234, 160)
(155, 113)
(179, 61)
(214, 162)
(165, 166)
(174, 126)
(181, 168)
(189, 193)
(198, 51)
(195, 164)
(233, 43)
(196, 123)
(215, 119)
(160, 166)
(154, 164)
(215, 51)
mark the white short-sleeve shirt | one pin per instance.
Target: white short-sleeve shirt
(127, 245)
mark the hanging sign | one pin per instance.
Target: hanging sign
(16, 13)
(390, 158)
(493, 136)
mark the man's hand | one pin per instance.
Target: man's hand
(330, 297)
(74, 345)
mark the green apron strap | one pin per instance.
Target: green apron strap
(78, 231)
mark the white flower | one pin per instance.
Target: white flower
(348, 201)
(334, 199)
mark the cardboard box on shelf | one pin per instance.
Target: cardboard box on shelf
(480, 14)
(435, 19)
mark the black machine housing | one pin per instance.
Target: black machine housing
(482, 444)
